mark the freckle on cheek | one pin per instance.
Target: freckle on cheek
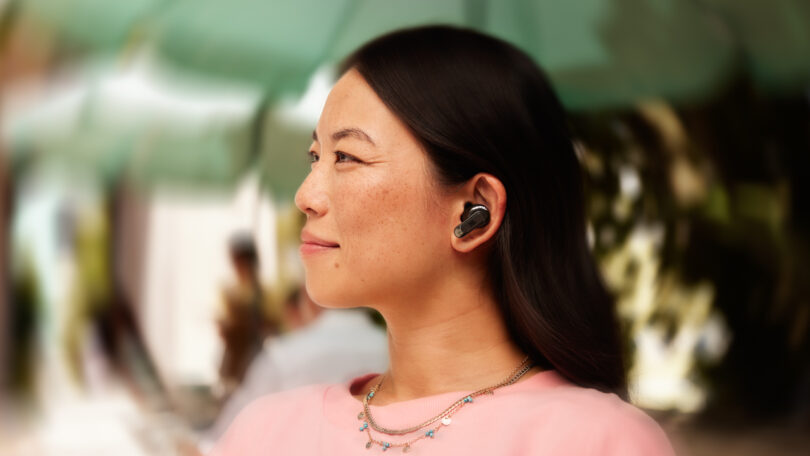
(337, 265)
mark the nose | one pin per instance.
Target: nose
(311, 198)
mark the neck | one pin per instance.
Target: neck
(439, 348)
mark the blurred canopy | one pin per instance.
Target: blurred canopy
(152, 135)
(99, 25)
(772, 38)
(600, 54)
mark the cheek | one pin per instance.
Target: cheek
(389, 232)
(373, 219)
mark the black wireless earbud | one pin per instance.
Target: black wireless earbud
(474, 216)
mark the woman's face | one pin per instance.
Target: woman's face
(378, 224)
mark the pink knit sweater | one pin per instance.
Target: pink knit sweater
(541, 415)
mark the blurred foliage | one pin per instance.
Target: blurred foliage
(725, 180)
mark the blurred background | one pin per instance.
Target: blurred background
(149, 151)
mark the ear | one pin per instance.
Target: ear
(485, 189)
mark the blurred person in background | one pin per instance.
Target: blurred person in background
(320, 346)
(445, 193)
(244, 322)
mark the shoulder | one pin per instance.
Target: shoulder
(603, 423)
(254, 427)
(558, 416)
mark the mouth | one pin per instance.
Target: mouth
(311, 244)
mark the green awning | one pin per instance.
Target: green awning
(75, 135)
(276, 44)
(773, 40)
(92, 25)
(598, 53)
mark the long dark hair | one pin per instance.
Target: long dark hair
(478, 104)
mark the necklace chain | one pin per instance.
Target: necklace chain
(444, 416)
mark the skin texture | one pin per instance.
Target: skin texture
(393, 223)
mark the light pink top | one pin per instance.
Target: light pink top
(542, 415)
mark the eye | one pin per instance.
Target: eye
(344, 157)
(312, 156)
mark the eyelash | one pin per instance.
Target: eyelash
(341, 157)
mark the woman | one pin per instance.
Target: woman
(445, 193)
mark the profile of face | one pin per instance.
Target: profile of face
(378, 222)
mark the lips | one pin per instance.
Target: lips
(311, 244)
(309, 238)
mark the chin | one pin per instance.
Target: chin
(329, 294)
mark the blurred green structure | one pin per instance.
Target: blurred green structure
(88, 25)
(600, 54)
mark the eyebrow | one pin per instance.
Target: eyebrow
(355, 133)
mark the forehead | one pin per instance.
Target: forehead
(352, 103)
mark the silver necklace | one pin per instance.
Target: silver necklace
(443, 419)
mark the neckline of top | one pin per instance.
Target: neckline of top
(547, 377)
